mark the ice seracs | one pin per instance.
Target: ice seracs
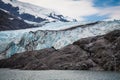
(28, 40)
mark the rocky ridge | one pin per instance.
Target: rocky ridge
(11, 22)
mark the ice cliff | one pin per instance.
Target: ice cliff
(27, 40)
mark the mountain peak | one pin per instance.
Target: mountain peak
(32, 13)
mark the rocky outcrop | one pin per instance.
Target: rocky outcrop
(93, 53)
(11, 22)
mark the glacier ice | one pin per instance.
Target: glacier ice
(32, 11)
(62, 34)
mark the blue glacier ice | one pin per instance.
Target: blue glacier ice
(59, 36)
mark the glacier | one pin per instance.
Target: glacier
(60, 35)
(31, 13)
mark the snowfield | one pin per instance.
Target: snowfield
(48, 15)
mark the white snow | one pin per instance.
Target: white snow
(4, 10)
(11, 18)
(34, 10)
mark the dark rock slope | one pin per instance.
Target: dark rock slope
(11, 22)
(93, 53)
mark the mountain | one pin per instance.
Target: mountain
(91, 53)
(11, 22)
(27, 40)
(30, 13)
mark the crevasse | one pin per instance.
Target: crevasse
(40, 39)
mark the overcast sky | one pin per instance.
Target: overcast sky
(82, 9)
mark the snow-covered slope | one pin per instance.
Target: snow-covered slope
(31, 13)
(27, 40)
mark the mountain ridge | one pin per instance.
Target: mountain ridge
(11, 22)
(31, 12)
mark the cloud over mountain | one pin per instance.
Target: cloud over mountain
(80, 8)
